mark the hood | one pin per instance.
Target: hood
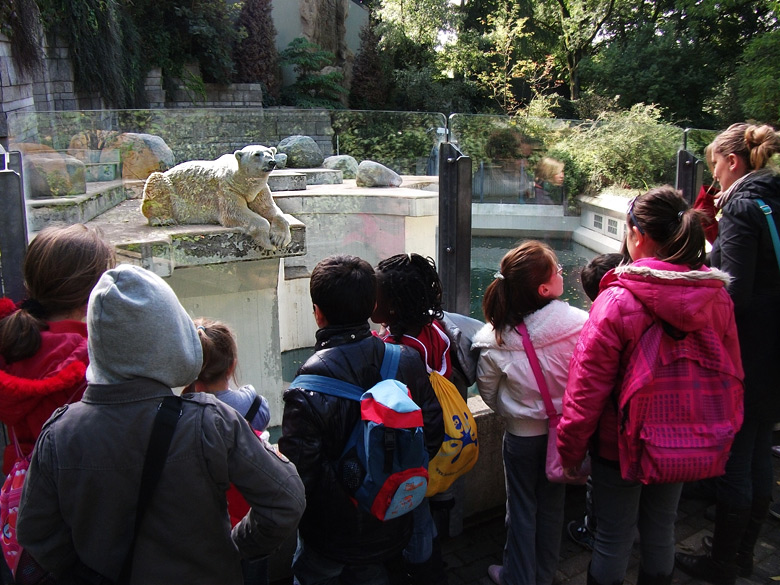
(674, 293)
(555, 321)
(138, 329)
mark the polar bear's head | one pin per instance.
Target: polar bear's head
(256, 160)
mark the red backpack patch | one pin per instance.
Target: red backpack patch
(679, 407)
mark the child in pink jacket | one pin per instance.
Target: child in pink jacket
(665, 281)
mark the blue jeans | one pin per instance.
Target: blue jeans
(748, 474)
(534, 513)
(620, 508)
(420, 547)
(311, 568)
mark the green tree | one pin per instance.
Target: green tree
(371, 78)
(315, 86)
(758, 78)
(256, 59)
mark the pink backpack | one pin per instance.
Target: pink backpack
(679, 407)
(24, 568)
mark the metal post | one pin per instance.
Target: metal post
(13, 226)
(455, 228)
(690, 173)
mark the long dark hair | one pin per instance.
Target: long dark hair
(664, 215)
(515, 291)
(411, 287)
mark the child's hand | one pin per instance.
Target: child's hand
(572, 472)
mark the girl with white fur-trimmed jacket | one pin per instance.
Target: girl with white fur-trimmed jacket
(526, 290)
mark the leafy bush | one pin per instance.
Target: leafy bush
(400, 141)
(632, 149)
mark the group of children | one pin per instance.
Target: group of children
(582, 357)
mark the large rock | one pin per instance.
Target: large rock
(373, 174)
(302, 152)
(344, 163)
(51, 174)
(141, 154)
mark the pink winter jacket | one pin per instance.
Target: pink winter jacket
(629, 298)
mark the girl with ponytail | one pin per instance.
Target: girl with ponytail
(666, 282)
(43, 340)
(525, 293)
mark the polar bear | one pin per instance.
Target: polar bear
(231, 191)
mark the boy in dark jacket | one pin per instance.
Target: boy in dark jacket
(336, 540)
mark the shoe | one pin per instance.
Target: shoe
(494, 572)
(744, 561)
(776, 450)
(774, 510)
(580, 534)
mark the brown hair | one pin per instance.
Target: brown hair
(515, 291)
(754, 144)
(61, 267)
(219, 349)
(667, 219)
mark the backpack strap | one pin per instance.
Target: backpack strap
(537, 370)
(390, 361)
(253, 409)
(767, 211)
(342, 389)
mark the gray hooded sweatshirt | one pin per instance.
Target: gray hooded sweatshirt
(81, 490)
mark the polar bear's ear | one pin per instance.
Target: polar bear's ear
(273, 150)
(238, 154)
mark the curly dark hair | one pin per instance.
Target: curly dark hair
(410, 288)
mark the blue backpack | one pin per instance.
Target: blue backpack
(384, 463)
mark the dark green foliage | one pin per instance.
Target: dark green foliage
(102, 44)
(255, 57)
(20, 22)
(370, 74)
(312, 88)
(179, 32)
(400, 141)
(758, 78)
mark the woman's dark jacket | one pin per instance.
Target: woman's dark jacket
(744, 249)
(315, 428)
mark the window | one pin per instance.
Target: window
(612, 226)
(598, 222)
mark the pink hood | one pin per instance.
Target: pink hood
(680, 296)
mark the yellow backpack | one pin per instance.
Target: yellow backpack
(459, 451)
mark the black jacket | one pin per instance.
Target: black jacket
(315, 428)
(744, 249)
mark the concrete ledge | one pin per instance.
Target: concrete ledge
(162, 249)
(348, 198)
(505, 219)
(99, 198)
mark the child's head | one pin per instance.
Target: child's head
(343, 287)
(408, 293)
(220, 353)
(661, 224)
(592, 274)
(528, 279)
(61, 267)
